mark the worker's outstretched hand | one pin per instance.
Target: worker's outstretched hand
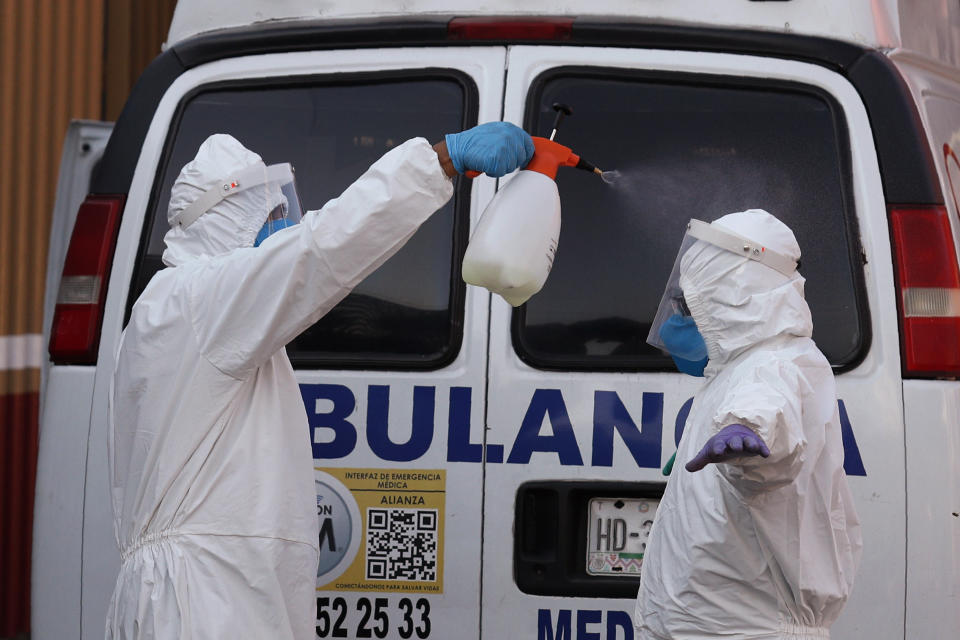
(493, 148)
(733, 441)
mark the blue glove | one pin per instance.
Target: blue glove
(685, 344)
(493, 148)
(733, 441)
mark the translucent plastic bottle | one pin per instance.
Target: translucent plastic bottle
(512, 249)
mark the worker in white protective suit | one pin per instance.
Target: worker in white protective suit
(756, 537)
(210, 457)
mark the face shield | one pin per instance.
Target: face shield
(263, 188)
(673, 304)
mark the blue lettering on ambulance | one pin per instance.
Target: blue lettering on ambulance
(344, 433)
(546, 403)
(421, 433)
(459, 447)
(585, 617)
(545, 625)
(852, 462)
(617, 622)
(681, 422)
(494, 453)
(609, 414)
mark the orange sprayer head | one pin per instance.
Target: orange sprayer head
(550, 156)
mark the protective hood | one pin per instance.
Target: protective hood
(737, 302)
(231, 223)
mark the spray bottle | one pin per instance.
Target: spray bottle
(512, 249)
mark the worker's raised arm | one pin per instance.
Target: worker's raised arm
(248, 304)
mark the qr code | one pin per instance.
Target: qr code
(402, 544)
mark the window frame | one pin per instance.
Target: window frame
(856, 256)
(461, 205)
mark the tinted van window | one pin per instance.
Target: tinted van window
(685, 147)
(409, 313)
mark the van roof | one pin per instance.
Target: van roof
(927, 29)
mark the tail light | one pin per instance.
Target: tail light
(75, 334)
(928, 285)
(510, 29)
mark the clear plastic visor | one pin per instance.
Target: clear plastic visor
(672, 303)
(281, 191)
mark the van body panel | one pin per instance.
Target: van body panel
(905, 161)
(934, 89)
(64, 415)
(881, 24)
(933, 513)
(875, 24)
(433, 30)
(59, 504)
(932, 407)
(869, 390)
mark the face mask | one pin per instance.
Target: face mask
(685, 344)
(270, 227)
(694, 369)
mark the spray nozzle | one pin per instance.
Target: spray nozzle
(586, 166)
(550, 156)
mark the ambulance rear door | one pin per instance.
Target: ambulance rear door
(392, 378)
(581, 413)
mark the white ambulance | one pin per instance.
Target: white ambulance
(489, 472)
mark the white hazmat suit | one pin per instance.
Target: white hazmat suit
(210, 457)
(755, 548)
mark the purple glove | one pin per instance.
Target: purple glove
(733, 441)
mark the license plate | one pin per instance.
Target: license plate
(617, 533)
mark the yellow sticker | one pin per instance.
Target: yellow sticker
(399, 529)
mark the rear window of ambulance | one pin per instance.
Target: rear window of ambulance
(685, 147)
(409, 313)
